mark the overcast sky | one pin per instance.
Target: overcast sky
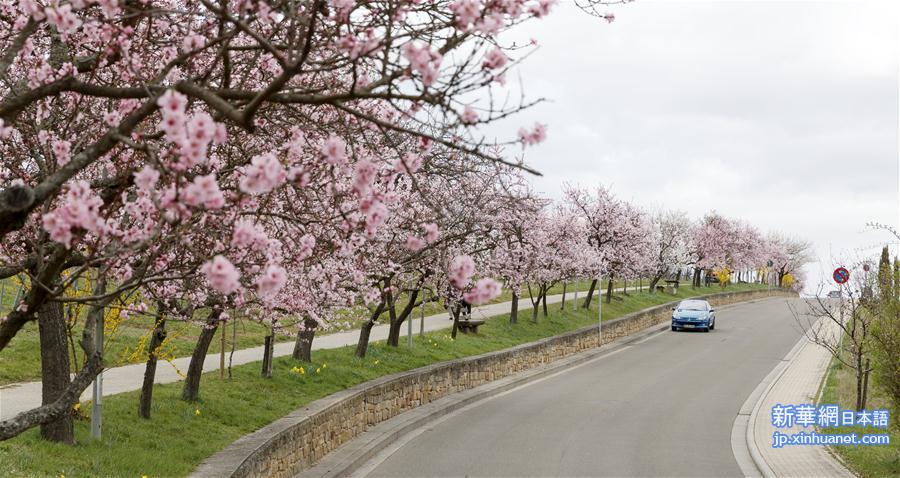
(782, 113)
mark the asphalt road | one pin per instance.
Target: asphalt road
(662, 407)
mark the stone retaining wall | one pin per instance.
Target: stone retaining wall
(295, 442)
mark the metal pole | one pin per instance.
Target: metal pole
(599, 319)
(97, 410)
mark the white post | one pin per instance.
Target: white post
(422, 319)
(575, 302)
(409, 321)
(96, 411)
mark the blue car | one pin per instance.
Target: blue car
(693, 314)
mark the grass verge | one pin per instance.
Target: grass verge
(21, 360)
(870, 460)
(180, 435)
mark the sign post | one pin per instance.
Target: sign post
(599, 316)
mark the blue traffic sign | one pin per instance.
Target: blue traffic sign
(841, 275)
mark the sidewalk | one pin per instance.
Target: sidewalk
(25, 396)
(798, 384)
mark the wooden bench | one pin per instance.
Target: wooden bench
(672, 286)
(466, 325)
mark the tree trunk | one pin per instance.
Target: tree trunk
(191, 390)
(543, 298)
(362, 346)
(609, 289)
(859, 382)
(514, 309)
(563, 305)
(653, 283)
(159, 335)
(303, 345)
(865, 387)
(455, 311)
(587, 300)
(696, 281)
(397, 320)
(54, 369)
(268, 355)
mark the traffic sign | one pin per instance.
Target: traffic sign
(841, 275)
(866, 267)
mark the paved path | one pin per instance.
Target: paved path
(25, 396)
(662, 407)
(797, 385)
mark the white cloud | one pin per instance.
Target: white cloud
(782, 113)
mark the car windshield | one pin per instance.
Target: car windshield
(692, 305)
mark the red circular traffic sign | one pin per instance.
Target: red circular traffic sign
(866, 267)
(841, 275)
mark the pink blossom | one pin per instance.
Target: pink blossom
(222, 275)
(201, 127)
(204, 190)
(469, 115)
(63, 19)
(363, 175)
(62, 149)
(466, 12)
(307, 244)
(110, 7)
(414, 243)
(342, 9)
(541, 8)
(494, 59)
(5, 130)
(192, 42)
(146, 178)
(81, 210)
(483, 291)
(409, 163)
(248, 235)
(376, 214)
(422, 60)
(535, 136)
(264, 174)
(271, 281)
(334, 150)
(172, 103)
(609, 17)
(31, 8)
(461, 269)
(431, 232)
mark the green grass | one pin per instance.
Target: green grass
(177, 439)
(869, 460)
(20, 361)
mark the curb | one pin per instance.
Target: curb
(749, 412)
(745, 422)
